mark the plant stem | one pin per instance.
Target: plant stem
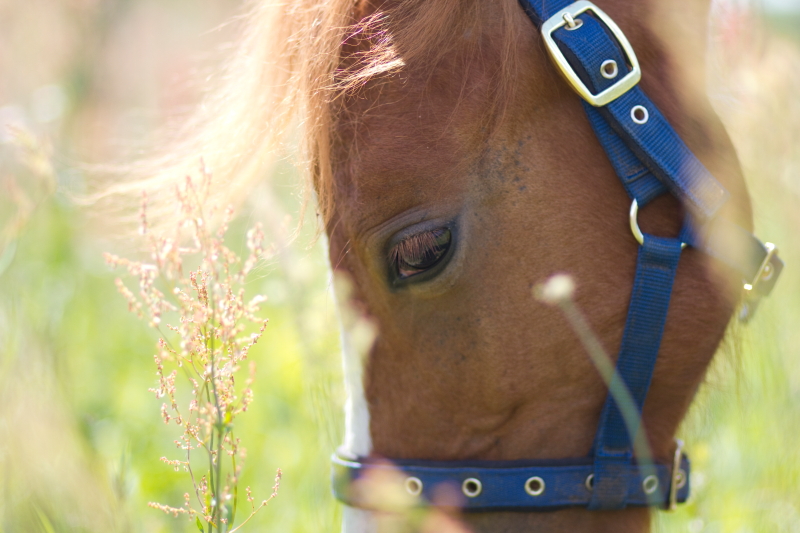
(607, 370)
(235, 486)
(219, 427)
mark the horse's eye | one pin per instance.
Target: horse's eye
(419, 252)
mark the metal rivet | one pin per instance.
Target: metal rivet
(680, 479)
(589, 482)
(534, 486)
(650, 484)
(640, 114)
(609, 69)
(414, 486)
(471, 487)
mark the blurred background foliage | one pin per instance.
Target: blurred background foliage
(80, 436)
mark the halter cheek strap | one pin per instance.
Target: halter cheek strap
(650, 159)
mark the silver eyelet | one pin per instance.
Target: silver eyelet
(589, 483)
(767, 274)
(414, 486)
(650, 484)
(680, 479)
(471, 487)
(640, 114)
(609, 69)
(534, 486)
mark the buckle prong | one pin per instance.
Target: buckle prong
(567, 17)
(571, 24)
(678, 476)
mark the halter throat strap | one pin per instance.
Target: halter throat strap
(650, 159)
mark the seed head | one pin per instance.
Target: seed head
(556, 289)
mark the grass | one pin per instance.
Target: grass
(76, 367)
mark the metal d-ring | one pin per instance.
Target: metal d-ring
(633, 219)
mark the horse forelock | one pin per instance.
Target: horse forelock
(403, 43)
(295, 67)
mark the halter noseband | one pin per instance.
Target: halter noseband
(650, 159)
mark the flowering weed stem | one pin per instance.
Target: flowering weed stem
(206, 344)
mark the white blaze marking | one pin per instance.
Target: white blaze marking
(357, 440)
(356, 337)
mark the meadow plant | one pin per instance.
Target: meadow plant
(559, 291)
(207, 347)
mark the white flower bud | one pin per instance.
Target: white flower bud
(557, 288)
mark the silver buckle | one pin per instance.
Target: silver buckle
(566, 17)
(765, 271)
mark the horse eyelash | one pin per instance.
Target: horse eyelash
(413, 248)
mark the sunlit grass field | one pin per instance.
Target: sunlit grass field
(81, 436)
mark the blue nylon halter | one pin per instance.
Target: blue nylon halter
(650, 159)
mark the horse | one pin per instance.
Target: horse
(453, 169)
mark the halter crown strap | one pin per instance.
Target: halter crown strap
(650, 159)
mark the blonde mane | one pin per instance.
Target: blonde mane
(280, 84)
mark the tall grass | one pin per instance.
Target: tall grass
(193, 276)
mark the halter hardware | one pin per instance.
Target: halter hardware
(766, 272)
(563, 19)
(679, 476)
(472, 487)
(633, 220)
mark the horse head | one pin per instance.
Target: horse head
(463, 171)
